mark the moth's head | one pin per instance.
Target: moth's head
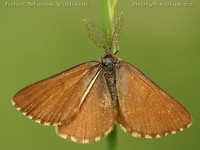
(108, 61)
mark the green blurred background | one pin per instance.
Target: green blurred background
(37, 42)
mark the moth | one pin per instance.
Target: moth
(85, 102)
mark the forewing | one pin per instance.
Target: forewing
(56, 99)
(145, 109)
(96, 116)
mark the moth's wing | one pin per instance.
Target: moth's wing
(145, 110)
(96, 117)
(56, 99)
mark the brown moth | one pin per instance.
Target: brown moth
(85, 102)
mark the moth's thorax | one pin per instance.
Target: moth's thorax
(108, 63)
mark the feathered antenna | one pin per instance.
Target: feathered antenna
(117, 29)
(96, 35)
